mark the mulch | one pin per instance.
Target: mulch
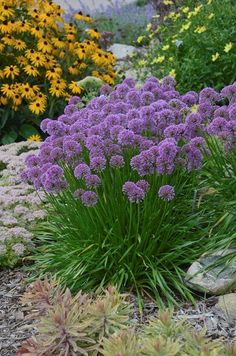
(14, 326)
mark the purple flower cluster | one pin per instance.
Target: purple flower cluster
(152, 130)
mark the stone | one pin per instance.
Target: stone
(210, 276)
(122, 51)
(227, 304)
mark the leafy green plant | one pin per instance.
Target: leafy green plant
(196, 44)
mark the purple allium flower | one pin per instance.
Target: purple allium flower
(189, 99)
(70, 109)
(166, 192)
(44, 124)
(147, 98)
(81, 170)
(34, 173)
(89, 199)
(92, 181)
(94, 141)
(133, 97)
(229, 91)
(130, 82)
(117, 161)
(98, 163)
(126, 138)
(168, 83)
(106, 89)
(71, 148)
(136, 125)
(75, 100)
(208, 95)
(32, 161)
(78, 193)
(232, 112)
(222, 112)
(144, 185)
(133, 192)
(217, 125)
(56, 154)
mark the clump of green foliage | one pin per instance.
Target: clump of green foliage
(195, 44)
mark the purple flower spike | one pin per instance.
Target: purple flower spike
(166, 192)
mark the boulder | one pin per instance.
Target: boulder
(122, 51)
(227, 304)
(210, 275)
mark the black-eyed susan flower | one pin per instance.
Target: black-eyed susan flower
(93, 33)
(37, 107)
(11, 71)
(8, 90)
(80, 17)
(19, 45)
(30, 70)
(44, 45)
(75, 88)
(34, 138)
(42, 54)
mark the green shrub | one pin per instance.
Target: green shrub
(196, 45)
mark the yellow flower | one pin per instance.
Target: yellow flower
(172, 73)
(167, 2)
(20, 45)
(209, 2)
(185, 26)
(37, 107)
(211, 16)
(17, 100)
(171, 59)
(165, 48)
(194, 108)
(79, 16)
(149, 27)
(3, 100)
(44, 46)
(34, 138)
(140, 38)
(158, 59)
(215, 56)
(11, 71)
(200, 29)
(185, 9)
(55, 90)
(8, 90)
(142, 63)
(228, 47)
(75, 88)
(93, 33)
(30, 70)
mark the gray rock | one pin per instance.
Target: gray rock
(227, 304)
(122, 51)
(203, 276)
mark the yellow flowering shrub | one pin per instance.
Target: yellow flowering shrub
(196, 43)
(41, 60)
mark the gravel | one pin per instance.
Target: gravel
(14, 326)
